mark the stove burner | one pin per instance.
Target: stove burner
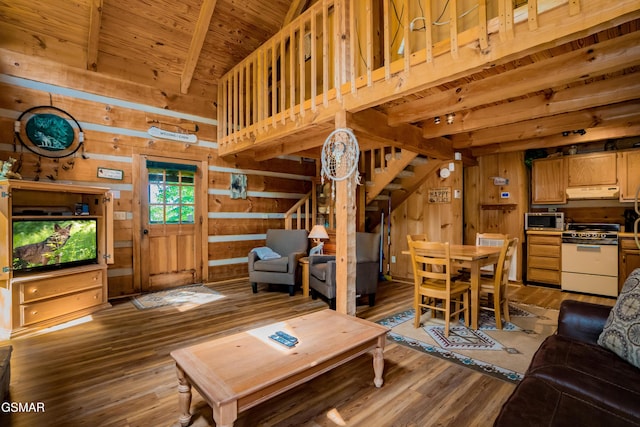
(602, 234)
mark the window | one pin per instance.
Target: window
(171, 193)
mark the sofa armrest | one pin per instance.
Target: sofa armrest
(321, 259)
(294, 258)
(251, 258)
(582, 321)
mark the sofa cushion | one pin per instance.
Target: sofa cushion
(265, 252)
(621, 333)
(278, 265)
(536, 402)
(589, 372)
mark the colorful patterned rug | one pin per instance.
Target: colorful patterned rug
(504, 354)
(184, 297)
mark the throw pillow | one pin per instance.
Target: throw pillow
(265, 252)
(621, 333)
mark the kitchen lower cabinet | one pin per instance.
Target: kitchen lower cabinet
(629, 259)
(544, 257)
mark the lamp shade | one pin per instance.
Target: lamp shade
(318, 232)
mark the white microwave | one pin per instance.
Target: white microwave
(549, 221)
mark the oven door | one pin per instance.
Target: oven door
(590, 268)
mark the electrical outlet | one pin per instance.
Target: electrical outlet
(393, 259)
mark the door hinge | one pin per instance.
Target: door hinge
(106, 200)
(106, 256)
(5, 194)
(6, 269)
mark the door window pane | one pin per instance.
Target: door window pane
(171, 196)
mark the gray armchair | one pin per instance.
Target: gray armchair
(291, 245)
(322, 270)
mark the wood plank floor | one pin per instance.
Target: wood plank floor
(115, 370)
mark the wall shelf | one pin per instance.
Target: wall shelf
(495, 207)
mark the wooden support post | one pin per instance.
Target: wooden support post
(345, 237)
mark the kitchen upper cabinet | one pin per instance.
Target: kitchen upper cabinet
(591, 169)
(628, 174)
(548, 181)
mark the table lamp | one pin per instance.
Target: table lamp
(318, 232)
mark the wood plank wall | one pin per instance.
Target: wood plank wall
(113, 115)
(417, 215)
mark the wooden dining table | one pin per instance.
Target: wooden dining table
(474, 258)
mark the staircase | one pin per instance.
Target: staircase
(391, 175)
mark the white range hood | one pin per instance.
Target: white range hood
(596, 192)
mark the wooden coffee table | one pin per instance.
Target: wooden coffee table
(239, 371)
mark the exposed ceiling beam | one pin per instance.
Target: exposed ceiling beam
(614, 131)
(603, 92)
(557, 124)
(595, 60)
(294, 11)
(199, 35)
(95, 21)
(374, 123)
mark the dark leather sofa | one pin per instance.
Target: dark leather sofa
(572, 381)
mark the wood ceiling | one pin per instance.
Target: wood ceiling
(185, 46)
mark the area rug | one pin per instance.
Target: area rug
(504, 354)
(184, 297)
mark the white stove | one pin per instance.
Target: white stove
(590, 259)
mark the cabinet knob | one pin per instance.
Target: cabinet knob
(34, 312)
(34, 291)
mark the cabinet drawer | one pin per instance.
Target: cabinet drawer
(48, 309)
(544, 251)
(57, 286)
(544, 262)
(538, 239)
(543, 276)
(628, 244)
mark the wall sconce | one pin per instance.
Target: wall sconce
(450, 117)
(436, 120)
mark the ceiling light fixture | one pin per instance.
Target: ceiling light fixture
(436, 120)
(450, 117)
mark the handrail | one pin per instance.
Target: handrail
(302, 212)
(335, 57)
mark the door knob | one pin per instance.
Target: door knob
(145, 231)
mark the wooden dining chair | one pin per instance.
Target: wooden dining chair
(498, 286)
(431, 263)
(490, 239)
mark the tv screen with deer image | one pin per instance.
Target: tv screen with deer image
(41, 244)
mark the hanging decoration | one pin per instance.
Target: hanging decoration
(340, 154)
(49, 131)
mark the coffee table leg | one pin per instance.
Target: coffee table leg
(378, 362)
(226, 414)
(184, 398)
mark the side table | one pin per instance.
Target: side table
(304, 262)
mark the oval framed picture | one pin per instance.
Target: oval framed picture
(49, 131)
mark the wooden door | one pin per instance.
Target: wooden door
(171, 224)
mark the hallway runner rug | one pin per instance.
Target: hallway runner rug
(504, 354)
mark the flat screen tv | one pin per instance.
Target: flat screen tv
(47, 244)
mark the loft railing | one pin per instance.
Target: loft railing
(367, 49)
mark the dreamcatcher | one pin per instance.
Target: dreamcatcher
(340, 154)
